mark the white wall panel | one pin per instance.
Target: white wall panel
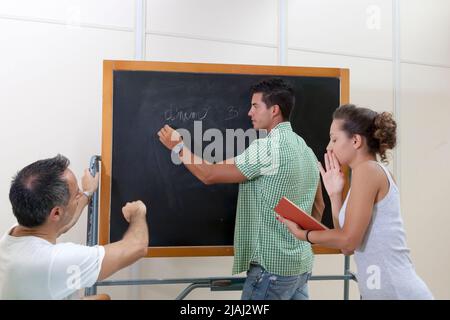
(425, 149)
(425, 27)
(51, 97)
(250, 20)
(117, 13)
(354, 27)
(325, 264)
(370, 80)
(162, 48)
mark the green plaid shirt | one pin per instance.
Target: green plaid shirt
(278, 165)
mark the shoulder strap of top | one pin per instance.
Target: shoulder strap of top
(388, 174)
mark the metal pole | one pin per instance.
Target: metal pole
(346, 280)
(217, 283)
(191, 287)
(92, 220)
(282, 32)
(396, 72)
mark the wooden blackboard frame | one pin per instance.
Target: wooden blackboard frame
(109, 66)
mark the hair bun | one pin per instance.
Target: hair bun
(385, 131)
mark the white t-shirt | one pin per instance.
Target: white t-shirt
(33, 268)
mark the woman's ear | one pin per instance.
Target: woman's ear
(357, 141)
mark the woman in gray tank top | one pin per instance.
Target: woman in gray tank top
(368, 223)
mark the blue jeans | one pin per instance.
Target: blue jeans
(263, 285)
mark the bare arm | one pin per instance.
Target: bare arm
(90, 184)
(336, 205)
(365, 186)
(319, 204)
(208, 173)
(221, 172)
(134, 244)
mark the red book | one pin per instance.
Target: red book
(290, 211)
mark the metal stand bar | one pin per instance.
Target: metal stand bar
(217, 283)
(189, 288)
(347, 281)
(92, 220)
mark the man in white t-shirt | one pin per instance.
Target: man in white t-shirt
(47, 202)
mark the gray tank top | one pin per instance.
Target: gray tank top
(384, 267)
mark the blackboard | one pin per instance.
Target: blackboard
(184, 216)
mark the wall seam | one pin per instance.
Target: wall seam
(64, 23)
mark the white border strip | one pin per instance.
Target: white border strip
(282, 33)
(396, 73)
(139, 29)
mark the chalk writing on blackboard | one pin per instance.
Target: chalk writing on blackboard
(232, 113)
(180, 114)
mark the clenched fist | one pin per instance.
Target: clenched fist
(133, 210)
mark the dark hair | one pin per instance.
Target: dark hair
(276, 91)
(37, 189)
(379, 129)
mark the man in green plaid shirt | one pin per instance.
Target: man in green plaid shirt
(278, 265)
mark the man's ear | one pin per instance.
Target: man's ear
(55, 214)
(276, 110)
(357, 141)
